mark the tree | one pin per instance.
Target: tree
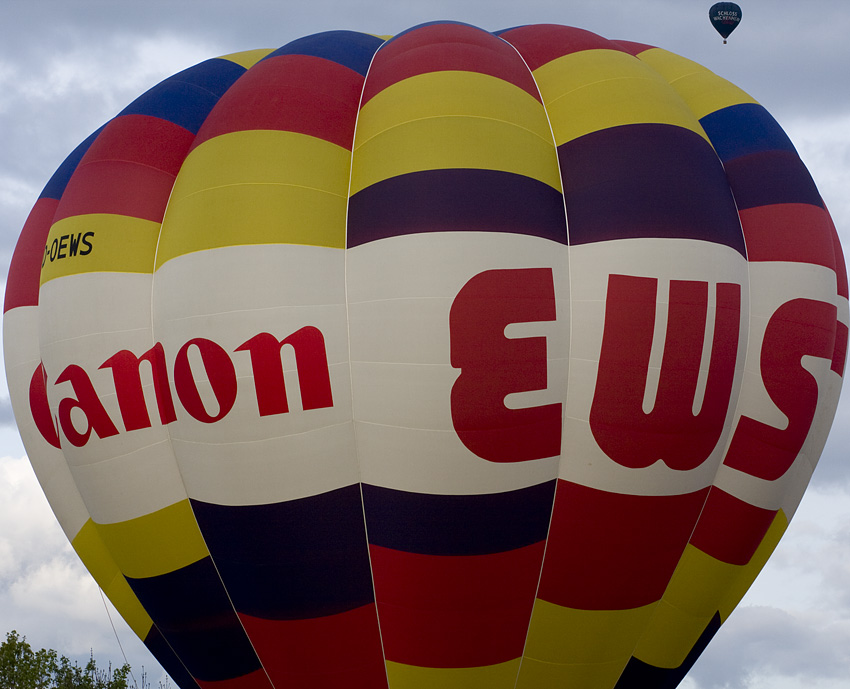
(23, 668)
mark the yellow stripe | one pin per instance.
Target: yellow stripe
(257, 187)
(700, 587)
(452, 120)
(92, 551)
(671, 636)
(157, 543)
(118, 591)
(454, 142)
(487, 677)
(749, 573)
(535, 674)
(264, 157)
(593, 90)
(248, 58)
(700, 88)
(569, 636)
(119, 244)
(445, 94)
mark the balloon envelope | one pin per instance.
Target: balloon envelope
(454, 360)
(725, 17)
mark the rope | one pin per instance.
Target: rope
(115, 631)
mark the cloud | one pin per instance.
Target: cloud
(40, 576)
(7, 418)
(768, 644)
(23, 505)
(86, 83)
(833, 469)
(45, 592)
(806, 641)
(823, 142)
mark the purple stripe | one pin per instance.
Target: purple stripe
(647, 180)
(291, 560)
(771, 177)
(191, 609)
(458, 525)
(456, 200)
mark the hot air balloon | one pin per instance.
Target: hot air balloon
(725, 17)
(458, 359)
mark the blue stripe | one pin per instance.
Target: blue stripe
(292, 560)
(187, 97)
(458, 524)
(55, 187)
(348, 48)
(744, 129)
(510, 28)
(159, 648)
(194, 615)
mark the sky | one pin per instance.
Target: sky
(66, 67)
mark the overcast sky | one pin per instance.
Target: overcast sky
(68, 66)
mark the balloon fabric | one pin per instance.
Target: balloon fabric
(457, 359)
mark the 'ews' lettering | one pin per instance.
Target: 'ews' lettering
(671, 432)
(493, 366)
(798, 328)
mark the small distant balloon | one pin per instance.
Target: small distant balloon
(725, 17)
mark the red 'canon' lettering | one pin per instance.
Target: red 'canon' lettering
(88, 403)
(220, 374)
(128, 387)
(310, 360)
(40, 408)
(266, 363)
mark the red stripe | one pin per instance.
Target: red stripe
(117, 187)
(608, 551)
(840, 265)
(795, 232)
(25, 268)
(541, 43)
(730, 529)
(295, 93)
(455, 611)
(839, 354)
(632, 48)
(320, 653)
(128, 170)
(142, 139)
(446, 47)
(253, 680)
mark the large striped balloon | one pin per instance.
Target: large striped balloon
(459, 360)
